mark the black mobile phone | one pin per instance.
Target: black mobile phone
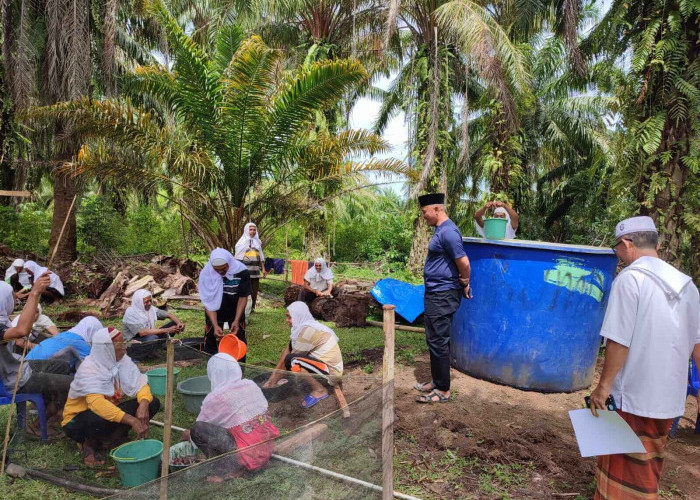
(609, 403)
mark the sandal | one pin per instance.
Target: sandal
(310, 400)
(424, 387)
(429, 398)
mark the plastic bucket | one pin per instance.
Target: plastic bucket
(138, 462)
(184, 451)
(233, 346)
(157, 380)
(495, 228)
(193, 391)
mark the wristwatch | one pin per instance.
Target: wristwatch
(464, 282)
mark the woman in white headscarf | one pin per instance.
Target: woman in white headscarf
(17, 277)
(313, 350)
(318, 281)
(249, 251)
(55, 289)
(139, 323)
(93, 416)
(502, 211)
(233, 416)
(70, 346)
(224, 288)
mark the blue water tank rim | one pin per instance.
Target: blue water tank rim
(542, 245)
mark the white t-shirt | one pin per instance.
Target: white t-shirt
(318, 283)
(510, 232)
(660, 327)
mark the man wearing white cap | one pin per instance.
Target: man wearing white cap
(652, 328)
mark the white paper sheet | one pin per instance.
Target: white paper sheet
(607, 434)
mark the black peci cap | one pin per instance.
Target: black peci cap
(431, 199)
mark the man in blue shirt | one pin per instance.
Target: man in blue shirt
(446, 275)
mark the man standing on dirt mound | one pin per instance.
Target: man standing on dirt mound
(651, 327)
(446, 275)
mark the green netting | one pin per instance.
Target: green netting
(320, 452)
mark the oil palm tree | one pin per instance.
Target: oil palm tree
(234, 140)
(445, 62)
(659, 88)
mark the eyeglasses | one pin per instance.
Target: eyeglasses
(614, 247)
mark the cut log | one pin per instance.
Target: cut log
(352, 310)
(139, 283)
(291, 294)
(324, 307)
(183, 285)
(114, 291)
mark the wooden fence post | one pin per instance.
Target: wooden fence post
(388, 405)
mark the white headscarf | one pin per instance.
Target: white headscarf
(11, 271)
(86, 328)
(136, 313)
(211, 283)
(37, 271)
(100, 373)
(7, 303)
(246, 241)
(313, 274)
(232, 400)
(510, 232)
(301, 318)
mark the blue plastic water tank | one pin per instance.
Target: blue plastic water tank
(535, 318)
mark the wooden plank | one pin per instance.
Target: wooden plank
(16, 194)
(399, 327)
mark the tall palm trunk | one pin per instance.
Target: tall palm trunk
(67, 60)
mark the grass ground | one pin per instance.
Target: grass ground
(267, 334)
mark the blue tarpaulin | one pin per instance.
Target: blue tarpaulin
(407, 298)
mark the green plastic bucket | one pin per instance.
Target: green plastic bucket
(495, 228)
(158, 378)
(193, 391)
(138, 462)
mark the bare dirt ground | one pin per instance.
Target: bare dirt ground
(494, 441)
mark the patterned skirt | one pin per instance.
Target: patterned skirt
(634, 476)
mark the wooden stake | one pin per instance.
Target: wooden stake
(286, 256)
(340, 397)
(60, 235)
(167, 429)
(388, 405)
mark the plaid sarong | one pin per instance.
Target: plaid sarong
(634, 476)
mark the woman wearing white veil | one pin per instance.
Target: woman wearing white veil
(249, 251)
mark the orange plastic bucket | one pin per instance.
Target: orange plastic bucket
(233, 346)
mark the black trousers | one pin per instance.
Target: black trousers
(211, 346)
(440, 307)
(148, 346)
(87, 425)
(214, 441)
(51, 379)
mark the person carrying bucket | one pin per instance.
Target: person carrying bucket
(446, 274)
(500, 211)
(224, 289)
